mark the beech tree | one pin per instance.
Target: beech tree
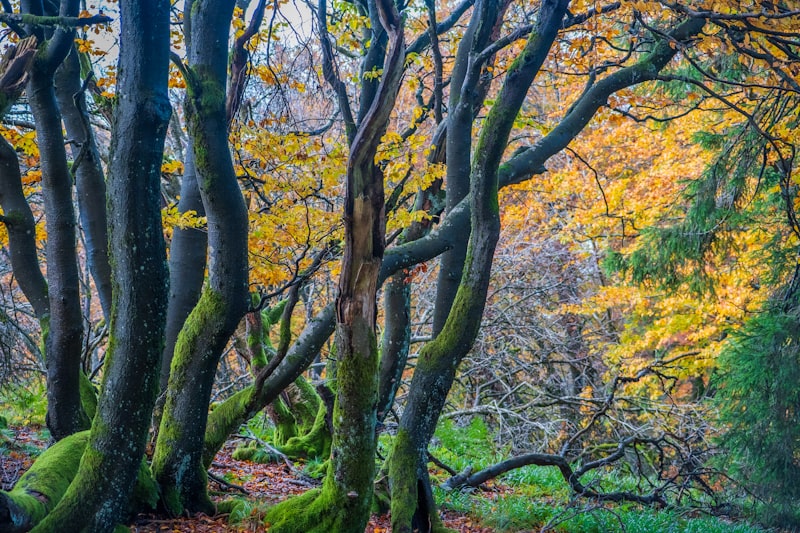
(169, 326)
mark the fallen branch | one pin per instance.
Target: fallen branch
(467, 479)
(228, 484)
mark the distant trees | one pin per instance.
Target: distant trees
(414, 125)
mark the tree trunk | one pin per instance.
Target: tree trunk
(17, 214)
(89, 179)
(178, 459)
(343, 502)
(187, 265)
(412, 504)
(65, 414)
(40, 489)
(98, 497)
(243, 405)
(21, 228)
(396, 340)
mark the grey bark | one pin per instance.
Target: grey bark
(89, 177)
(65, 414)
(179, 449)
(187, 265)
(439, 359)
(97, 498)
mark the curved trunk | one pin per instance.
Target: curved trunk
(396, 340)
(178, 459)
(98, 497)
(243, 405)
(187, 265)
(412, 505)
(17, 215)
(21, 228)
(43, 486)
(89, 179)
(63, 343)
(466, 99)
(343, 502)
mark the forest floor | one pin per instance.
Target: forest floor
(525, 500)
(260, 483)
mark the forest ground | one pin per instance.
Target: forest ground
(262, 483)
(526, 500)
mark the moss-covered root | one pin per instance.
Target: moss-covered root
(224, 420)
(323, 510)
(40, 489)
(88, 395)
(314, 444)
(43, 486)
(285, 424)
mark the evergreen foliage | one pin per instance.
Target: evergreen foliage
(759, 402)
(676, 253)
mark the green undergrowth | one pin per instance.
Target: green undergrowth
(532, 497)
(24, 404)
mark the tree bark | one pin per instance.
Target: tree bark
(467, 94)
(412, 503)
(98, 496)
(43, 486)
(178, 459)
(21, 228)
(396, 340)
(89, 177)
(17, 214)
(343, 502)
(243, 405)
(63, 341)
(187, 266)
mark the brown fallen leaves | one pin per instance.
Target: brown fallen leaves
(267, 483)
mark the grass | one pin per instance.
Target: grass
(533, 497)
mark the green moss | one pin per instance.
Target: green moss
(305, 404)
(44, 325)
(39, 490)
(403, 473)
(206, 100)
(285, 424)
(315, 511)
(169, 469)
(315, 444)
(272, 315)
(145, 492)
(224, 420)
(88, 395)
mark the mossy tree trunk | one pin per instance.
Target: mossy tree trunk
(412, 503)
(178, 459)
(97, 498)
(188, 249)
(243, 405)
(40, 489)
(63, 341)
(343, 502)
(439, 359)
